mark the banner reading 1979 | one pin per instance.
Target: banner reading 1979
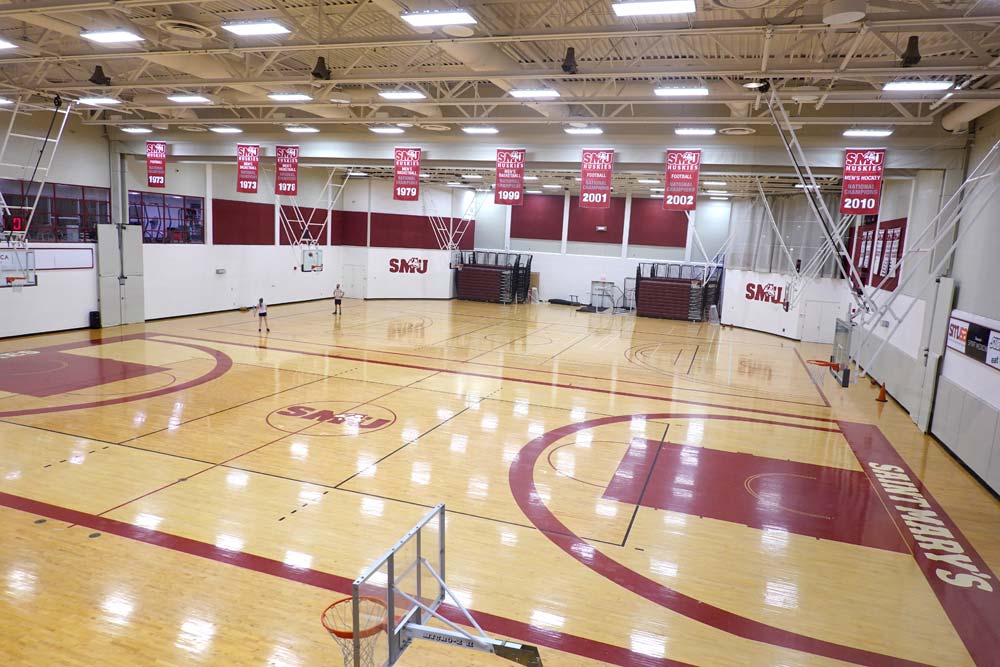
(406, 175)
(510, 177)
(156, 164)
(286, 175)
(861, 192)
(596, 170)
(247, 159)
(680, 185)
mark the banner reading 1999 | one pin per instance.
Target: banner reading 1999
(247, 159)
(596, 169)
(406, 175)
(680, 185)
(861, 192)
(510, 177)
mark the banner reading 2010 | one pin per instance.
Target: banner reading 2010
(596, 170)
(680, 185)
(247, 160)
(861, 193)
(156, 164)
(510, 177)
(286, 176)
(406, 175)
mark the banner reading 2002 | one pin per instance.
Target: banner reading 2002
(286, 177)
(510, 177)
(406, 175)
(861, 192)
(680, 186)
(596, 169)
(156, 164)
(247, 159)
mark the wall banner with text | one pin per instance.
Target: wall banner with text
(861, 192)
(156, 164)
(406, 175)
(286, 175)
(680, 185)
(247, 162)
(510, 177)
(596, 169)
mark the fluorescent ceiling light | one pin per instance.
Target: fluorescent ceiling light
(531, 178)
(98, 100)
(357, 174)
(916, 86)
(804, 186)
(648, 181)
(252, 28)
(480, 130)
(719, 198)
(402, 95)
(189, 99)
(552, 186)
(302, 129)
(423, 175)
(667, 91)
(578, 179)
(438, 18)
(534, 93)
(455, 184)
(694, 131)
(340, 100)
(715, 183)
(472, 177)
(226, 130)
(753, 84)
(111, 36)
(533, 192)
(656, 196)
(137, 130)
(867, 133)
(387, 130)
(4, 44)
(653, 7)
(583, 130)
(717, 192)
(4, 100)
(290, 97)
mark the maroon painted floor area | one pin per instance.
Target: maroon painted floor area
(49, 373)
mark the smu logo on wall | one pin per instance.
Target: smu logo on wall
(412, 265)
(769, 293)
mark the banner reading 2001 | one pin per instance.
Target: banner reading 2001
(247, 159)
(680, 186)
(510, 177)
(286, 177)
(156, 164)
(406, 176)
(862, 189)
(596, 169)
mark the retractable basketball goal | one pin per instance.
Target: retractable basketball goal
(398, 598)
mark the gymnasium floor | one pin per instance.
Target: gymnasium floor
(620, 490)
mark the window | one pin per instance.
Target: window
(167, 218)
(67, 213)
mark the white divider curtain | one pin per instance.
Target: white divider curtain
(754, 245)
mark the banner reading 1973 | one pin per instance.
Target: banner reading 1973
(406, 175)
(861, 192)
(680, 185)
(156, 164)
(247, 160)
(510, 177)
(596, 170)
(286, 176)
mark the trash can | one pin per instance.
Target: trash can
(95, 319)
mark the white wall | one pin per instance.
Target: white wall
(491, 225)
(62, 300)
(182, 178)
(711, 219)
(562, 275)
(436, 283)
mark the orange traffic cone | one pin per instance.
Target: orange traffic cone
(881, 394)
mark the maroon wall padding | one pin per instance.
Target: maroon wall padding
(583, 222)
(242, 223)
(668, 298)
(310, 214)
(350, 228)
(540, 217)
(481, 283)
(392, 230)
(649, 224)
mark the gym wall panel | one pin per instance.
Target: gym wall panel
(242, 223)
(349, 228)
(650, 225)
(540, 217)
(583, 222)
(411, 231)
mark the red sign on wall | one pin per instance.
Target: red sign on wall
(596, 170)
(156, 164)
(862, 188)
(510, 177)
(406, 175)
(247, 160)
(286, 178)
(680, 185)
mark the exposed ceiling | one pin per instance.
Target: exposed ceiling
(829, 76)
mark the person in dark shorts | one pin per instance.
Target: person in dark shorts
(261, 309)
(338, 294)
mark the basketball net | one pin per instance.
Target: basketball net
(339, 622)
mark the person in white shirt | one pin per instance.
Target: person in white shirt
(338, 294)
(262, 315)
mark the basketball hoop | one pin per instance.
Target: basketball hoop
(827, 364)
(16, 282)
(338, 619)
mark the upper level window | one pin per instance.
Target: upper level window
(167, 218)
(64, 213)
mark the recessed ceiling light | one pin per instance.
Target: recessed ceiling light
(137, 130)
(302, 129)
(188, 99)
(715, 183)
(916, 86)
(583, 130)
(534, 93)
(552, 186)
(653, 7)
(98, 100)
(252, 28)
(667, 91)
(871, 133)
(531, 178)
(404, 125)
(472, 177)
(111, 36)
(480, 130)
(402, 95)
(4, 44)
(386, 130)
(719, 198)
(438, 18)
(226, 130)
(290, 97)
(533, 192)
(694, 131)
(648, 181)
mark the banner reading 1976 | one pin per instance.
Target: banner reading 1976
(286, 176)
(510, 177)
(596, 170)
(406, 175)
(861, 192)
(156, 164)
(247, 160)
(680, 185)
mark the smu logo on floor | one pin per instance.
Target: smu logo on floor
(412, 265)
(331, 418)
(769, 293)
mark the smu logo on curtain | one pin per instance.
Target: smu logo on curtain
(769, 293)
(412, 265)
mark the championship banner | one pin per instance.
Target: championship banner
(510, 177)
(286, 175)
(596, 169)
(862, 188)
(680, 184)
(406, 175)
(156, 164)
(247, 159)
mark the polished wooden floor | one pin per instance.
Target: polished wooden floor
(620, 491)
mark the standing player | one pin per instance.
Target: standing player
(261, 309)
(338, 294)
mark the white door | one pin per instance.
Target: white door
(355, 280)
(819, 321)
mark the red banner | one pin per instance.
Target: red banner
(247, 159)
(286, 175)
(406, 175)
(510, 177)
(680, 185)
(861, 192)
(156, 164)
(596, 169)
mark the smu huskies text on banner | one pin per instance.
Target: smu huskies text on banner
(156, 164)
(247, 159)
(680, 185)
(862, 188)
(406, 175)
(286, 176)
(596, 169)
(510, 177)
